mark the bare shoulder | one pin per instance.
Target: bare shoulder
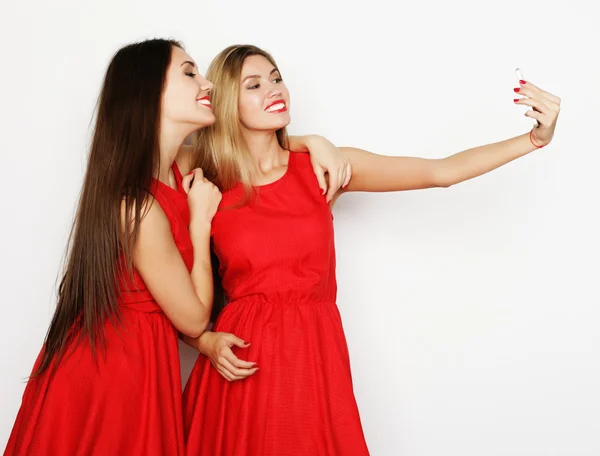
(152, 217)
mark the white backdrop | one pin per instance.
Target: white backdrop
(471, 312)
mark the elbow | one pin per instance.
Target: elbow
(443, 174)
(194, 334)
(442, 182)
(197, 329)
(443, 179)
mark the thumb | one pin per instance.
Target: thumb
(320, 173)
(234, 340)
(186, 182)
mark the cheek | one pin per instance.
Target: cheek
(179, 99)
(169, 102)
(184, 90)
(249, 106)
(172, 100)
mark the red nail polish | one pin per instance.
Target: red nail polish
(517, 89)
(516, 100)
(522, 82)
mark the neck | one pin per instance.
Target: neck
(265, 149)
(171, 139)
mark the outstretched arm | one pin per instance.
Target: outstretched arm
(379, 173)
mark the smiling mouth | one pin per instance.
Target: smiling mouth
(277, 106)
(205, 101)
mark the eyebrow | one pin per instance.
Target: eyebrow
(189, 63)
(252, 76)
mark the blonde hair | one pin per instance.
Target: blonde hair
(220, 149)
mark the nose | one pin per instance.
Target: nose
(275, 92)
(205, 84)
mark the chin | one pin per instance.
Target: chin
(207, 120)
(281, 124)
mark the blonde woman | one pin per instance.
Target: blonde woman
(273, 237)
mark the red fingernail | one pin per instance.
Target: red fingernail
(522, 82)
(517, 89)
(516, 100)
(344, 187)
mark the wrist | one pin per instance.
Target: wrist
(199, 229)
(537, 142)
(202, 342)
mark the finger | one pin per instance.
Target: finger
(320, 173)
(225, 374)
(529, 92)
(232, 340)
(186, 182)
(198, 173)
(540, 117)
(246, 375)
(234, 371)
(550, 98)
(334, 185)
(348, 173)
(543, 94)
(219, 369)
(236, 362)
(226, 364)
(536, 104)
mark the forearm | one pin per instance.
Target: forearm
(302, 143)
(480, 160)
(191, 341)
(201, 274)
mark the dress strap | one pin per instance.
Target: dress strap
(178, 177)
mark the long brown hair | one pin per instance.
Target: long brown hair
(123, 157)
(220, 149)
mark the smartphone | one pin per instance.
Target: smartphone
(519, 74)
(521, 78)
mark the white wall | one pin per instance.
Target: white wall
(470, 312)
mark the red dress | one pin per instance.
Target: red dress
(277, 262)
(127, 401)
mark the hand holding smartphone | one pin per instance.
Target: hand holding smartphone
(521, 78)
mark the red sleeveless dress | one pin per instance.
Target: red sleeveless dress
(127, 401)
(277, 262)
